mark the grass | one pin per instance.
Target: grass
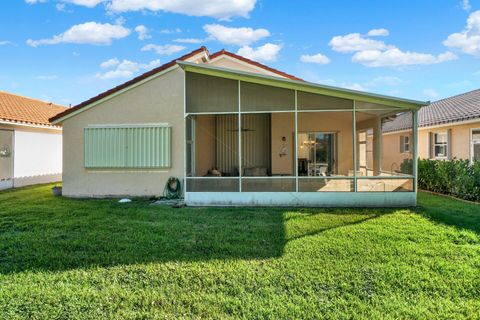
(89, 259)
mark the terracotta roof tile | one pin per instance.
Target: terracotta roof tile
(19, 109)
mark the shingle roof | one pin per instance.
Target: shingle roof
(465, 106)
(19, 109)
(164, 67)
(402, 121)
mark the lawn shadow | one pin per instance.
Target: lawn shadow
(40, 232)
(449, 211)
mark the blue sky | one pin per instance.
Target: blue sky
(67, 51)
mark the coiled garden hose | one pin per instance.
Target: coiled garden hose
(173, 189)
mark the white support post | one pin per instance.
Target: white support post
(239, 139)
(354, 148)
(415, 150)
(184, 134)
(295, 136)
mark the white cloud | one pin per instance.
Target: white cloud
(142, 32)
(86, 33)
(189, 40)
(3, 43)
(355, 42)
(85, 3)
(378, 33)
(167, 49)
(375, 53)
(267, 52)
(397, 58)
(61, 7)
(466, 5)
(46, 77)
(222, 9)
(237, 36)
(430, 94)
(468, 40)
(170, 31)
(316, 58)
(109, 63)
(124, 69)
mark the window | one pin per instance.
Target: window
(475, 145)
(405, 144)
(129, 146)
(440, 145)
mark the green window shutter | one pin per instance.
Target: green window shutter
(402, 144)
(139, 146)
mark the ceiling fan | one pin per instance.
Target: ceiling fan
(243, 130)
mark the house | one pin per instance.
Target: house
(237, 132)
(450, 128)
(30, 146)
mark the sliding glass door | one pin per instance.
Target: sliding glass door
(317, 154)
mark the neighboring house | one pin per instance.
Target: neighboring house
(450, 128)
(30, 146)
(236, 132)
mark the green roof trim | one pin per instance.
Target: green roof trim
(302, 86)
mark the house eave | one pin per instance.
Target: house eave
(393, 102)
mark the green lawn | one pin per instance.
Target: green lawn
(64, 258)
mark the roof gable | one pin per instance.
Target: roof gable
(200, 56)
(250, 65)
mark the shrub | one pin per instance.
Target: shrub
(459, 178)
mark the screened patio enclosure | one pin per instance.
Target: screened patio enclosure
(259, 140)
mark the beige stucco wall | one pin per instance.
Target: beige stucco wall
(392, 158)
(160, 100)
(460, 139)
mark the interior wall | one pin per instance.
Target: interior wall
(216, 143)
(204, 144)
(283, 125)
(256, 149)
